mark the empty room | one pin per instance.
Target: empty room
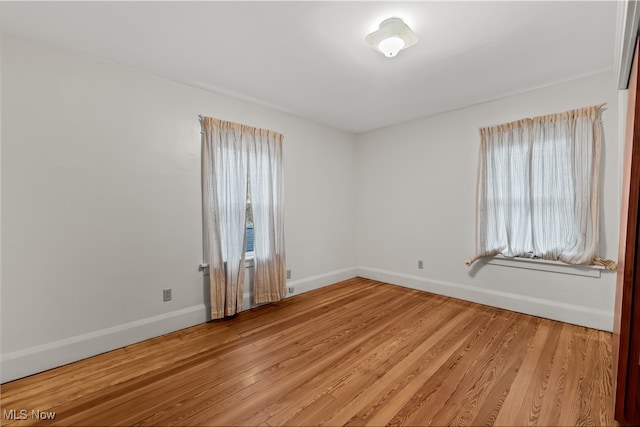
(319, 213)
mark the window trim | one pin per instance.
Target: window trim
(546, 265)
(249, 259)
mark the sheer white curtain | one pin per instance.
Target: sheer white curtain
(224, 181)
(233, 154)
(266, 189)
(537, 193)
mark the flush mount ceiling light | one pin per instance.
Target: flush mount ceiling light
(392, 36)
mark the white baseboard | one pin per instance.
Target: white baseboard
(29, 361)
(569, 313)
(304, 285)
(315, 282)
(40, 358)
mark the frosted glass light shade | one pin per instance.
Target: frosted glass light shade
(392, 36)
(391, 46)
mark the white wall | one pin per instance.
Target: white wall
(101, 204)
(416, 200)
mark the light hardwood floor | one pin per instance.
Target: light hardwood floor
(354, 353)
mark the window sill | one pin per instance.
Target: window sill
(248, 263)
(248, 260)
(546, 265)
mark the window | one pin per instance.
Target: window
(537, 189)
(250, 236)
(243, 210)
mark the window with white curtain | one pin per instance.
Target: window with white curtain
(537, 188)
(242, 183)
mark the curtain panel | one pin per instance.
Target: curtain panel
(266, 189)
(537, 188)
(240, 160)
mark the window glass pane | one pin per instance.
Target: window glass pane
(249, 239)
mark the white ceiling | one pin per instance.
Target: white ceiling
(310, 58)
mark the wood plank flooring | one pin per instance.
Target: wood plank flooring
(358, 352)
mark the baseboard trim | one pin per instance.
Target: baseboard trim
(43, 357)
(304, 285)
(29, 361)
(569, 313)
(40, 358)
(315, 282)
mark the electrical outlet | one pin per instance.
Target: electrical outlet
(420, 264)
(166, 295)
(288, 274)
(290, 289)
